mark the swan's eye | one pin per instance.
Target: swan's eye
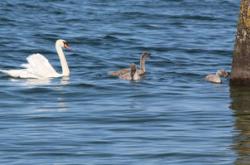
(65, 45)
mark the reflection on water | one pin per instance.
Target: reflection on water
(241, 107)
(31, 82)
(38, 82)
(65, 80)
(59, 106)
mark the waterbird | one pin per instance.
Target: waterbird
(216, 78)
(38, 66)
(145, 55)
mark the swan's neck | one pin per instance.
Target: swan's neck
(63, 61)
(142, 64)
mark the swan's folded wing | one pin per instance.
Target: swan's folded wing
(39, 65)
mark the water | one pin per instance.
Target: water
(172, 116)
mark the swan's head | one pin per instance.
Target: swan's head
(62, 43)
(145, 55)
(132, 71)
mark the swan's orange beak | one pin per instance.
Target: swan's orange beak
(66, 45)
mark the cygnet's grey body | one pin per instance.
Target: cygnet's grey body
(216, 78)
(140, 71)
(133, 74)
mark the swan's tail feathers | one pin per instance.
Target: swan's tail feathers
(3, 71)
(12, 73)
(21, 73)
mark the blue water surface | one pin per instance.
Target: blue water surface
(172, 116)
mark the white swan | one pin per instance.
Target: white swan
(38, 66)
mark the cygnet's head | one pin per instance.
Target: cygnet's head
(222, 73)
(62, 43)
(145, 55)
(132, 71)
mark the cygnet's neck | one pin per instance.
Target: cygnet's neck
(63, 61)
(142, 63)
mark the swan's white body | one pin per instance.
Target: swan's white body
(38, 67)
